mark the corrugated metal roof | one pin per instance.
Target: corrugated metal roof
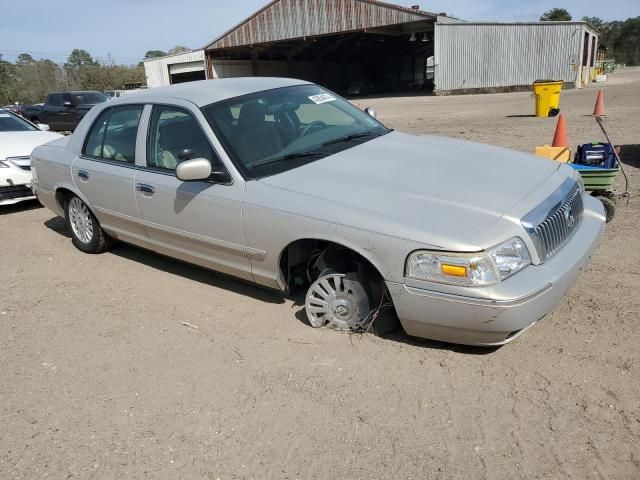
(291, 19)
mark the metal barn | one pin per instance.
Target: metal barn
(178, 68)
(341, 43)
(478, 57)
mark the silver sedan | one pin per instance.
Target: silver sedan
(285, 184)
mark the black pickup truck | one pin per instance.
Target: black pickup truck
(63, 110)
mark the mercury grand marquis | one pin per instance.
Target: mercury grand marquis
(283, 183)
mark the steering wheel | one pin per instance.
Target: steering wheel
(311, 126)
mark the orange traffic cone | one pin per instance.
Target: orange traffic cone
(560, 137)
(598, 111)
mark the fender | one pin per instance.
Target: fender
(366, 254)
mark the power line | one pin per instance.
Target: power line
(16, 53)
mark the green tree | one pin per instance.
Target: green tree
(178, 49)
(595, 22)
(80, 58)
(25, 58)
(7, 82)
(556, 15)
(624, 40)
(154, 54)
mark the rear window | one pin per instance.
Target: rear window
(13, 123)
(113, 135)
(81, 98)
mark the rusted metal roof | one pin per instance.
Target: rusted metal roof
(290, 19)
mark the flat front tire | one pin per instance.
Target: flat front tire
(86, 233)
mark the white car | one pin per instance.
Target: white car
(18, 138)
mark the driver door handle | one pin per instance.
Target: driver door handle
(83, 175)
(144, 188)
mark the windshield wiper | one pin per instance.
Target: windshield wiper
(348, 138)
(290, 156)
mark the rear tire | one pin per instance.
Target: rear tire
(86, 233)
(554, 112)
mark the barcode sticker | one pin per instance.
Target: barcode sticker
(323, 98)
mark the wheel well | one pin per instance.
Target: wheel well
(62, 196)
(302, 261)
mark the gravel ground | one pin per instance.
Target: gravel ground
(104, 374)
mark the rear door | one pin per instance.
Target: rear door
(199, 222)
(105, 172)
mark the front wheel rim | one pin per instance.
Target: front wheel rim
(336, 300)
(81, 221)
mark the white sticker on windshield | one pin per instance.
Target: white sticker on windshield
(323, 98)
(5, 115)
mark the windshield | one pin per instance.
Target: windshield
(13, 123)
(276, 130)
(82, 98)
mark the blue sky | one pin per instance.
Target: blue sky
(126, 29)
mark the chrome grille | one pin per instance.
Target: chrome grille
(552, 224)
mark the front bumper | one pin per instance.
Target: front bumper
(508, 309)
(15, 184)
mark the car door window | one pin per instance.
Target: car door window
(55, 100)
(175, 136)
(113, 134)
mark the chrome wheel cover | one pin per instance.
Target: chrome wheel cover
(338, 301)
(80, 220)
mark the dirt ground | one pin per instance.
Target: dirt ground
(100, 378)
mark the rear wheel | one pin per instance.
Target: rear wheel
(86, 233)
(554, 112)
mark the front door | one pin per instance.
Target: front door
(199, 222)
(105, 172)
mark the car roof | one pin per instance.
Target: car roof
(205, 92)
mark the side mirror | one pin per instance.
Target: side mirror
(371, 112)
(193, 170)
(43, 126)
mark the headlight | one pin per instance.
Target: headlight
(470, 269)
(578, 178)
(3, 164)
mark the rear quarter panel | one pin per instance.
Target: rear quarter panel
(51, 165)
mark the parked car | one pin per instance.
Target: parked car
(63, 110)
(32, 112)
(114, 94)
(18, 137)
(12, 107)
(283, 183)
(360, 88)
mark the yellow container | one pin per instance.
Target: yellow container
(547, 94)
(559, 154)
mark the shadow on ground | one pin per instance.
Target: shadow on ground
(176, 267)
(398, 335)
(218, 280)
(630, 155)
(20, 207)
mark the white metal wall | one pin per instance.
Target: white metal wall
(490, 55)
(157, 70)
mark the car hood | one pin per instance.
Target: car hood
(424, 188)
(21, 144)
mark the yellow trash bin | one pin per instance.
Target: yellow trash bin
(547, 94)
